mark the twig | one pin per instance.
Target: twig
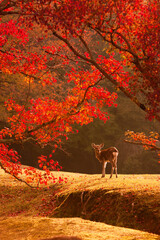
(84, 203)
(62, 202)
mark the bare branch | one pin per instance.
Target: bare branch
(13, 140)
(90, 86)
(86, 46)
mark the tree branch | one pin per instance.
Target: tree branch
(90, 86)
(86, 46)
(143, 144)
(13, 175)
(13, 140)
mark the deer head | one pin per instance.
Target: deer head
(97, 148)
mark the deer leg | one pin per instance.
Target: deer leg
(116, 172)
(112, 170)
(115, 167)
(103, 168)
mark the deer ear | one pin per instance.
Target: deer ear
(93, 145)
(102, 145)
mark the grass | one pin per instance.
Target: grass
(34, 228)
(81, 207)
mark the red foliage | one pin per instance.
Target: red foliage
(130, 62)
(150, 142)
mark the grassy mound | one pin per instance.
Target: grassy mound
(36, 228)
(131, 201)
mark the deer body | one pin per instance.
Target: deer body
(106, 155)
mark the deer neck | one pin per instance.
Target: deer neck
(98, 154)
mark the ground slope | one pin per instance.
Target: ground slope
(129, 201)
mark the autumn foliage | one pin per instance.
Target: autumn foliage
(149, 142)
(94, 43)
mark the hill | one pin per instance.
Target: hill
(82, 206)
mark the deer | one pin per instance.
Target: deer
(106, 155)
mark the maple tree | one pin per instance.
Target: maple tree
(129, 27)
(128, 32)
